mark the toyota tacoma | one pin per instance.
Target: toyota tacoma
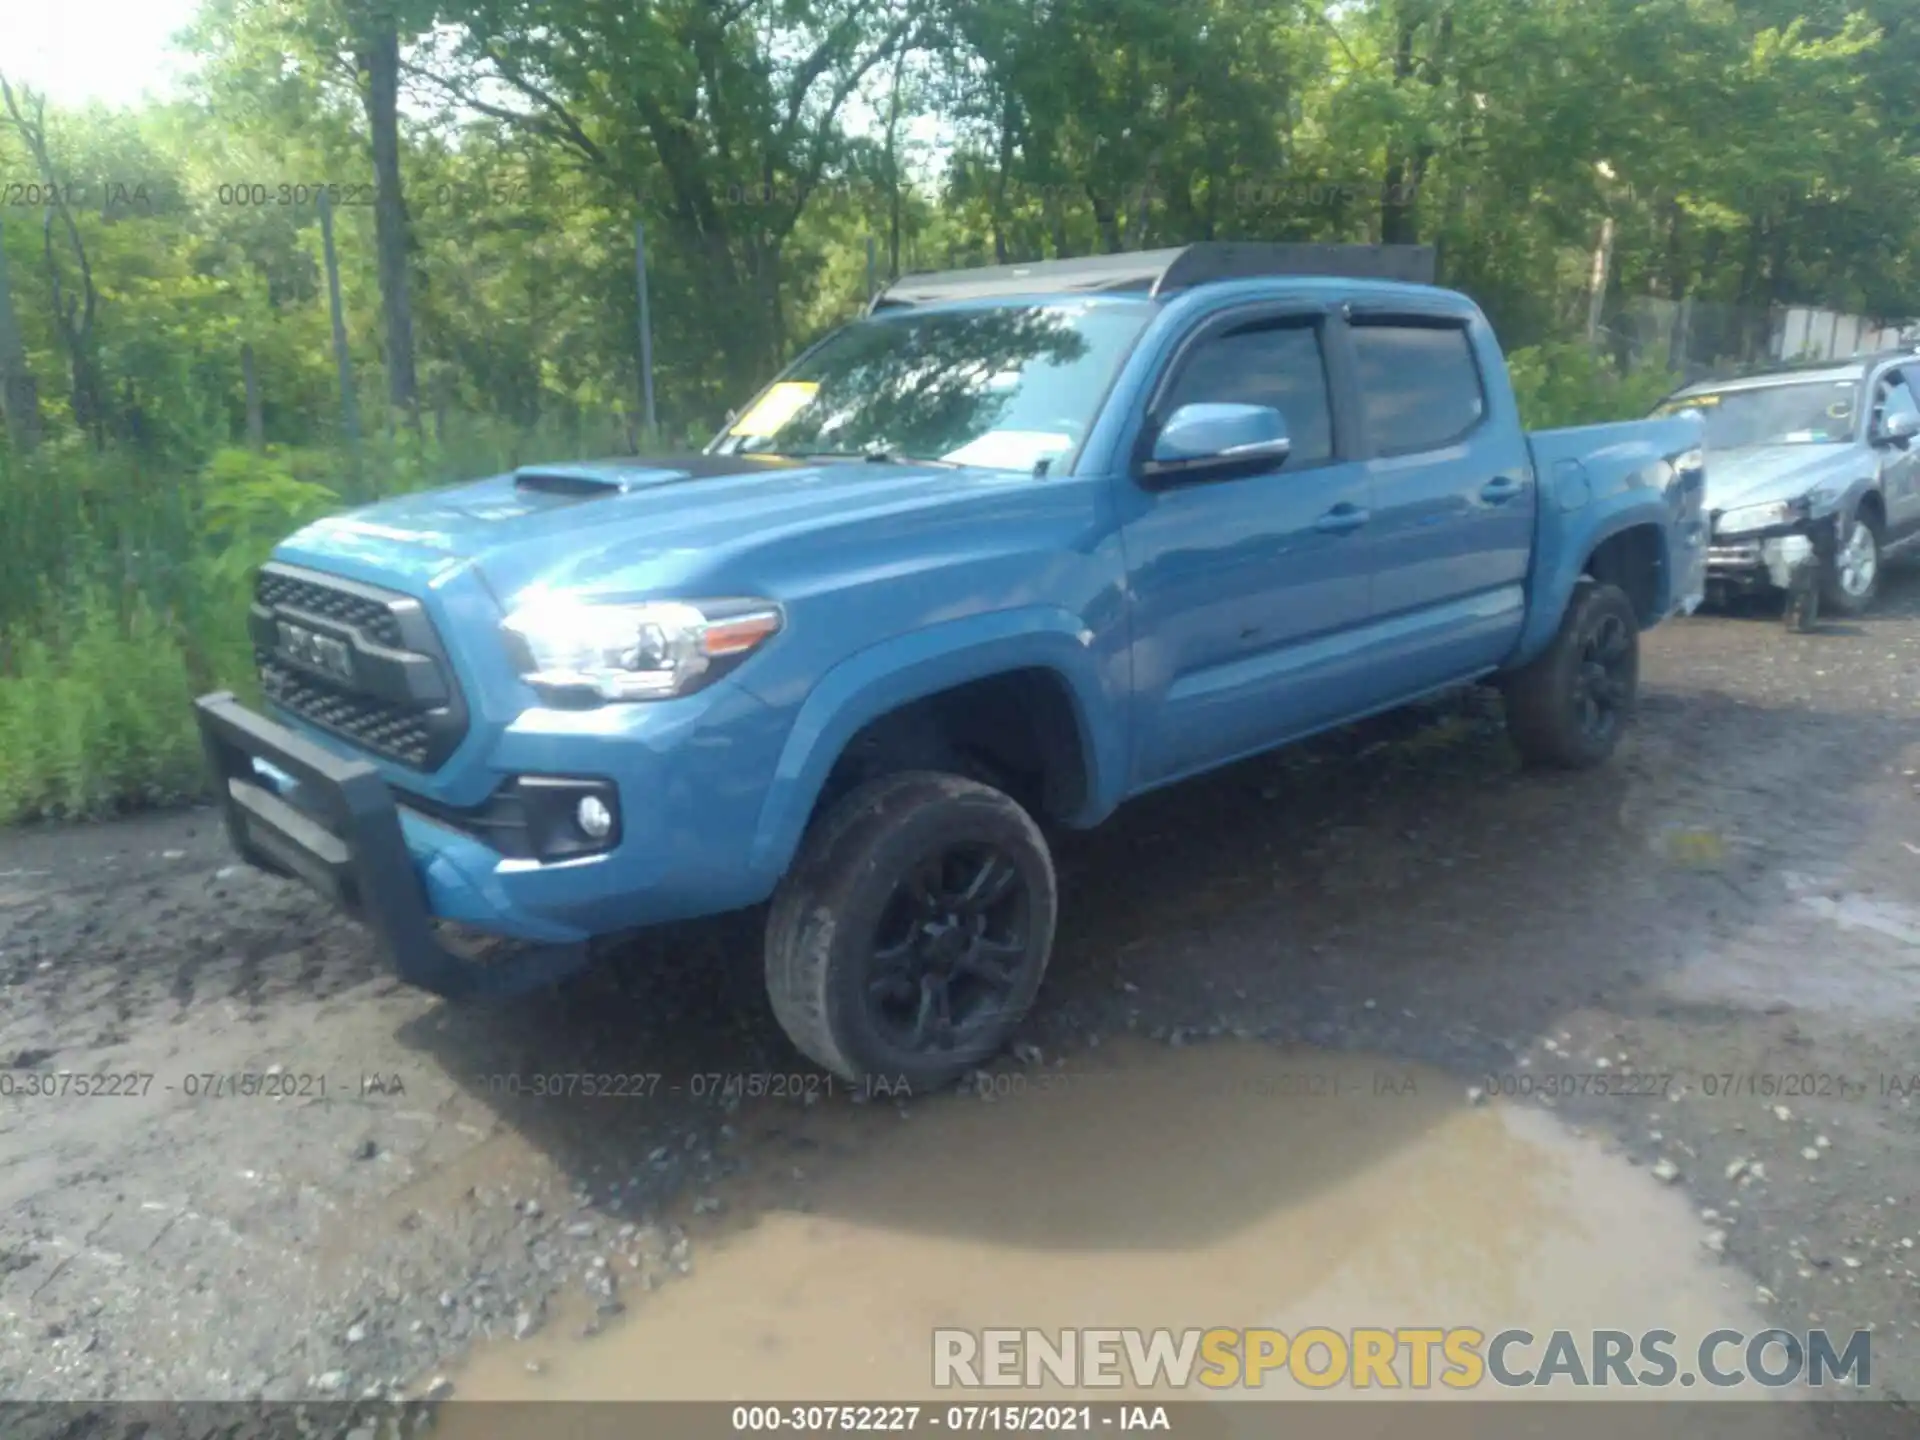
(1018, 545)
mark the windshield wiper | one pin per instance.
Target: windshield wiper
(894, 457)
(876, 456)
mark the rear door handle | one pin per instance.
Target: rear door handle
(1342, 519)
(1500, 489)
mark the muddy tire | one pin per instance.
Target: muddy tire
(1568, 707)
(910, 937)
(1850, 579)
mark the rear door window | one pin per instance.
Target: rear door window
(1420, 387)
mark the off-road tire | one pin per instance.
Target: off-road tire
(1545, 700)
(824, 916)
(1835, 597)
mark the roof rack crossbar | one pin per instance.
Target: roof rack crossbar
(1160, 272)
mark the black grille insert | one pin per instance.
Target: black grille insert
(383, 728)
(400, 700)
(278, 590)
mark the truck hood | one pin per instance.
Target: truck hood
(620, 525)
(1756, 474)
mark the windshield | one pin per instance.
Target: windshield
(1005, 386)
(1802, 412)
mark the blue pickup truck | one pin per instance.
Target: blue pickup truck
(1017, 546)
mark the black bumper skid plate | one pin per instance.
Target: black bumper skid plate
(344, 840)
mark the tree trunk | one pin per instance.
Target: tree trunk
(1676, 257)
(1143, 210)
(343, 361)
(256, 423)
(74, 320)
(1747, 297)
(1181, 223)
(19, 397)
(72, 314)
(1397, 225)
(1001, 174)
(1106, 220)
(379, 59)
(1602, 269)
(893, 174)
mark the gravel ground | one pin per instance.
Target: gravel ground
(1734, 903)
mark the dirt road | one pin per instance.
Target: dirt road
(1195, 1130)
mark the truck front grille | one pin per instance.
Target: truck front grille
(1734, 555)
(359, 662)
(277, 589)
(372, 724)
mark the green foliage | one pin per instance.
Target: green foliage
(98, 718)
(1739, 156)
(1566, 383)
(250, 502)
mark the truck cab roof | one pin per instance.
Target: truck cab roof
(1156, 274)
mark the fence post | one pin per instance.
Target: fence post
(646, 328)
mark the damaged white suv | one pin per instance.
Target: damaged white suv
(1813, 479)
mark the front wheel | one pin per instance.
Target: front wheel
(911, 936)
(1568, 707)
(1851, 577)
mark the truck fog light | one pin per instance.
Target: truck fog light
(594, 818)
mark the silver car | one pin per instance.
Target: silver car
(1813, 477)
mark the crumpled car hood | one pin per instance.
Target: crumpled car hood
(1757, 474)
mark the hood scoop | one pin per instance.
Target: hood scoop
(563, 482)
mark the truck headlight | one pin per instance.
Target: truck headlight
(650, 651)
(1749, 518)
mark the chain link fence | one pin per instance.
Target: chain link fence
(1696, 339)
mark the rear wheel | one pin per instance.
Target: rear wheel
(911, 936)
(1569, 706)
(1851, 578)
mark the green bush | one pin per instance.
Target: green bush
(1569, 383)
(99, 718)
(125, 594)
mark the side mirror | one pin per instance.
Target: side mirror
(1899, 427)
(1213, 441)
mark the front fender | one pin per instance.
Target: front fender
(912, 667)
(1845, 502)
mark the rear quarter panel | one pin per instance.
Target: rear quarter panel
(1597, 481)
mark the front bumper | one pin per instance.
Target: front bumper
(344, 839)
(1770, 559)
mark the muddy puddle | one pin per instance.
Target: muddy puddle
(1231, 1184)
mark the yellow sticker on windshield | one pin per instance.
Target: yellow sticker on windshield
(780, 404)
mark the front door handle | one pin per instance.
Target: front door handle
(1341, 519)
(1500, 489)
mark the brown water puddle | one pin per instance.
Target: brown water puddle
(1220, 1185)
